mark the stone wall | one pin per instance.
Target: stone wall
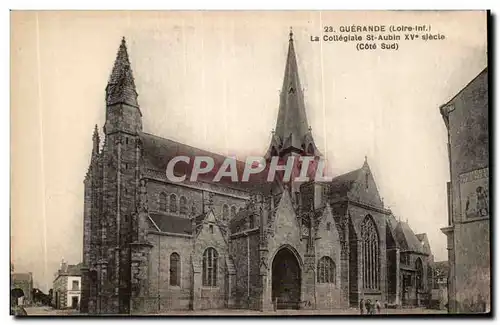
(472, 271)
(255, 284)
(244, 250)
(239, 249)
(329, 295)
(195, 197)
(170, 297)
(211, 297)
(60, 286)
(393, 276)
(122, 117)
(466, 116)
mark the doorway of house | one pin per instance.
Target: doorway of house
(74, 302)
(286, 280)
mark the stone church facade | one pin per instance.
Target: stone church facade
(151, 245)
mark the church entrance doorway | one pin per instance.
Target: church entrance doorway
(286, 280)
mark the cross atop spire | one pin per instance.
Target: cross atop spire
(291, 34)
(121, 85)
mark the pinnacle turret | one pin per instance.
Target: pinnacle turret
(95, 142)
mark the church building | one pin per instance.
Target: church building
(153, 246)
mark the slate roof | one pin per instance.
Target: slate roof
(74, 270)
(199, 219)
(423, 238)
(172, 224)
(406, 238)
(238, 222)
(70, 270)
(342, 184)
(393, 223)
(158, 151)
(18, 277)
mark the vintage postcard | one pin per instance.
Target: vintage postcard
(250, 163)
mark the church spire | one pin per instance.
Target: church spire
(122, 110)
(292, 132)
(121, 85)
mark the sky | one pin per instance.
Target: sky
(212, 80)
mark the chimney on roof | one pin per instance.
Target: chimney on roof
(64, 265)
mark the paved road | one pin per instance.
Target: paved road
(346, 311)
(234, 312)
(36, 311)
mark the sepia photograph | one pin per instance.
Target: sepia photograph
(249, 163)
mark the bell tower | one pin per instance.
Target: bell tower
(120, 185)
(292, 135)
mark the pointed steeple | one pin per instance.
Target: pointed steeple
(95, 142)
(292, 132)
(121, 85)
(292, 124)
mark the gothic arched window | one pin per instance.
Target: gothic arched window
(162, 202)
(326, 270)
(370, 254)
(183, 208)
(233, 211)
(210, 267)
(173, 203)
(419, 275)
(225, 212)
(175, 269)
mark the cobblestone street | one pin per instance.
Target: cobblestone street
(346, 311)
(49, 311)
(39, 311)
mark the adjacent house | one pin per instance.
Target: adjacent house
(67, 287)
(468, 230)
(440, 285)
(23, 281)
